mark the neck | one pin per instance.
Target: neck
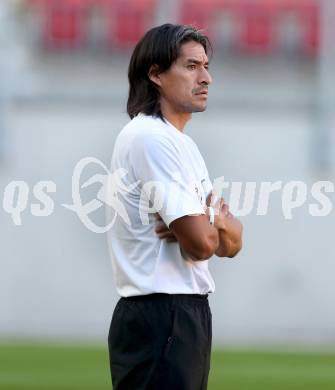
(177, 119)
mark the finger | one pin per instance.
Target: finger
(161, 227)
(225, 209)
(222, 202)
(158, 217)
(160, 223)
(162, 231)
(172, 239)
(209, 199)
(217, 201)
(217, 204)
(166, 235)
(230, 215)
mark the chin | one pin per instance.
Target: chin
(191, 108)
(200, 109)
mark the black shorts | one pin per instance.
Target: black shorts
(161, 341)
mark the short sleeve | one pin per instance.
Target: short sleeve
(165, 178)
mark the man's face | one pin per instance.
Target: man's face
(184, 86)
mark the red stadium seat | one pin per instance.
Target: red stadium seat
(199, 13)
(63, 22)
(128, 20)
(257, 25)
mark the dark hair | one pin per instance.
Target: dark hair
(159, 46)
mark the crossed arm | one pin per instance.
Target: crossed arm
(230, 234)
(200, 239)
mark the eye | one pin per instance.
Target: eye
(191, 67)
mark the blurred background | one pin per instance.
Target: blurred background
(270, 117)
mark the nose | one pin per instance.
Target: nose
(205, 78)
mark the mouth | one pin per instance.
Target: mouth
(203, 93)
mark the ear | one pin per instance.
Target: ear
(154, 75)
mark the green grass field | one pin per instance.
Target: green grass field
(42, 367)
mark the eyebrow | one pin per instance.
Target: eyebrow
(195, 61)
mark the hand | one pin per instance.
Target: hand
(229, 227)
(163, 231)
(221, 210)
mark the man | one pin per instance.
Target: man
(161, 331)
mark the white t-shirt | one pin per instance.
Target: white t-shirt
(162, 169)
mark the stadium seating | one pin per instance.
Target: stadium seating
(254, 25)
(128, 20)
(257, 22)
(257, 25)
(199, 13)
(63, 22)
